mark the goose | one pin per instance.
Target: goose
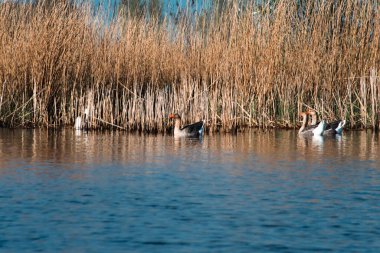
(313, 129)
(192, 130)
(335, 127)
(78, 121)
(339, 129)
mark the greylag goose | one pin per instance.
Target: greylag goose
(313, 129)
(335, 127)
(192, 130)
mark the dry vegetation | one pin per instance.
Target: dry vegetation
(252, 67)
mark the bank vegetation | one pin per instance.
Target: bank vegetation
(244, 66)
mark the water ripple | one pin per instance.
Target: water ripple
(253, 192)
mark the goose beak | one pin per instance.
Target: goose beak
(171, 116)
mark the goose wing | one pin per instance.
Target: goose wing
(193, 128)
(333, 125)
(311, 127)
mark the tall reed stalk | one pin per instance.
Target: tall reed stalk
(250, 67)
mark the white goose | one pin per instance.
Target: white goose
(192, 130)
(78, 125)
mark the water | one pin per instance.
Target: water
(62, 191)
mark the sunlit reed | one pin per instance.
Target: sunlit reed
(244, 67)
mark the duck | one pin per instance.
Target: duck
(335, 127)
(313, 130)
(192, 130)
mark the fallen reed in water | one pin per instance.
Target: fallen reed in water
(251, 67)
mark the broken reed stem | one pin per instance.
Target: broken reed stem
(110, 124)
(243, 67)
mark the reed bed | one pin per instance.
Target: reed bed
(257, 66)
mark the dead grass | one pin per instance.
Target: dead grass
(252, 68)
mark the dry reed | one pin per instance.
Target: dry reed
(252, 67)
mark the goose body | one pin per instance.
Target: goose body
(331, 127)
(339, 129)
(192, 130)
(79, 125)
(320, 129)
(335, 127)
(313, 130)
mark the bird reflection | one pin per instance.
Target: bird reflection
(317, 142)
(78, 132)
(311, 146)
(77, 148)
(180, 142)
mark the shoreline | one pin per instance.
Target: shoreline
(169, 130)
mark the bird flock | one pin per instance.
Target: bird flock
(319, 128)
(197, 129)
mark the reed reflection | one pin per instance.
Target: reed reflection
(67, 149)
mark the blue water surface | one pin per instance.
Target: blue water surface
(252, 192)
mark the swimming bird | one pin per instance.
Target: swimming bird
(192, 130)
(335, 127)
(313, 129)
(339, 129)
(78, 121)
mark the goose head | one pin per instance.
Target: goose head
(174, 116)
(303, 115)
(177, 120)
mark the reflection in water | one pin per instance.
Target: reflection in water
(259, 191)
(66, 149)
(106, 147)
(318, 142)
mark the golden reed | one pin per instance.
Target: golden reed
(251, 67)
